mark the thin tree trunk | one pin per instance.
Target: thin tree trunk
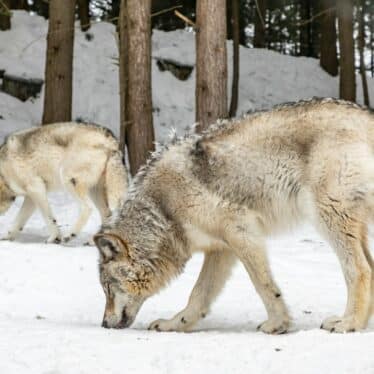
(136, 87)
(315, 22)
(305, 29)
(235, 64)
(259, 40)
(346, 43)
(42, 7)
(123, 70)
(329, 54)
(229, 20)
(5, 15)
(84, 14)
(211, 62)
(59, 64)
(372, 38)
(19, 4)
(361, 48)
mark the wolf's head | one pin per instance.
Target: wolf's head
(7, 196)
(139, 254)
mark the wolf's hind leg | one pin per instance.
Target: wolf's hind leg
(27, 209)
(98, 197)
(214, 273)
(346, 232)
(81, 192)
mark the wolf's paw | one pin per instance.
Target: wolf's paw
(167, 325)
(341, 324)
(90, 243)
(54, 239)
(9, 237)
(275, 326)
(69, 237)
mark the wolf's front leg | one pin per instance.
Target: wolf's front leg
(38, 193)
(214, 273)
(27, 209)
(249, 246)
(350, 242)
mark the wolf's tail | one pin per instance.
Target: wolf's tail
(115, 180)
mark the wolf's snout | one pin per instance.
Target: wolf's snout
(113, 323)
(105, 324)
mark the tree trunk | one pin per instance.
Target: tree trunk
(361, 48)
(329, 55)
(41, 7)
(19, 4)
(136, 85)
(305, 29)
(59, 63)
(229, 20)
(346, 43)
(235, 63)
(84, 14)
(315, 22)
(259, 40)
(5, 15)
(211, 62)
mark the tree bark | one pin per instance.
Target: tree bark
(84, 14)
(329, 54)
(41, 7)
(361, 48)
(211, 62)
(59, 63)
(315, 22)
(5, 15)
(259, 40)
(19, 4)
(136, 84)
(235, 73)
(305, 29)
(372, 40)
(346, 43)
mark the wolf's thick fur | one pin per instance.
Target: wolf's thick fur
(225, 191)
(82, 159)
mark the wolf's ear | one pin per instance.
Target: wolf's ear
(109, 245)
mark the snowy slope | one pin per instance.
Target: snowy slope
(51, 303)
(266, 77)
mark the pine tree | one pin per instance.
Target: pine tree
(329, 56)
(135, 81)
(59, 63)
(211, 62)
(235, 74)
(5, 15)
(259, 40)
(346, 43)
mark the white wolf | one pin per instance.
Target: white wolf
(82, 159)
(224, 191)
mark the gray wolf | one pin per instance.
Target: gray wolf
(81, 159)
(224, 191)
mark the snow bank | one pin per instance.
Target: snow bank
(266, 77)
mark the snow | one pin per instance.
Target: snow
(51, 303)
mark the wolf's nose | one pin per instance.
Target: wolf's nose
(105, 324)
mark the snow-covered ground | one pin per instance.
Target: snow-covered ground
(51, 303)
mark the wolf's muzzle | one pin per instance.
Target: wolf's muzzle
(124, 322)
